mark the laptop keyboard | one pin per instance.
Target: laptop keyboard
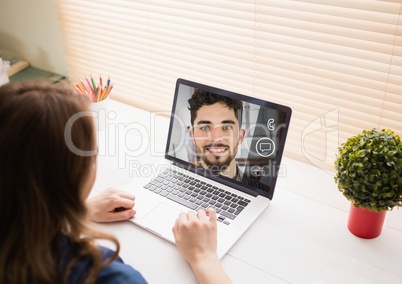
(196, 194)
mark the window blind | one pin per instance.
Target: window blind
(337, 64)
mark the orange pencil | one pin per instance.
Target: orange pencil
(108, 91)
(98, 94)
(103, 94)
(84, 87)
(78, 88)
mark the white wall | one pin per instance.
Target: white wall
(30, 29)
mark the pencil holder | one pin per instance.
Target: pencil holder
(99, 95)
(100, 113)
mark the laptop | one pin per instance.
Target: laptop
(236, 174)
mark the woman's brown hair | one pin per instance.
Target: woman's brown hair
(42, 182)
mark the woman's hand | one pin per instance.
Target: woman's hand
(111, 205)
(196, 239)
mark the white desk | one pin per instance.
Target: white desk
(301, 238)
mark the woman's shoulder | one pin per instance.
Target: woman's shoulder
(115, 272)
(118, 271)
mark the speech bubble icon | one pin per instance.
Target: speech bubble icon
(265, 147)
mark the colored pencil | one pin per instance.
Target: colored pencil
(97, 94)
(89, 85)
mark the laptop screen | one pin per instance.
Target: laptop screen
(228, 137)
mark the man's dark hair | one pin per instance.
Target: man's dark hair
(201, 98)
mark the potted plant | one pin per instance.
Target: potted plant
(369, 174)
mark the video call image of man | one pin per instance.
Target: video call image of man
(217, 134)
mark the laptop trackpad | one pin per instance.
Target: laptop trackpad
(161, 220)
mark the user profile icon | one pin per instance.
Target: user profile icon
(265, 147)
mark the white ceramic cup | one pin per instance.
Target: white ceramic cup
(100, 113)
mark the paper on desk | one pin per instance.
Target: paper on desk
(4, 65)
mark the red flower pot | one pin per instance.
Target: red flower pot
(364, 223)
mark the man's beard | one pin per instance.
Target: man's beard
(215, 163)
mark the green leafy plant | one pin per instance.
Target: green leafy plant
(369, 170)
